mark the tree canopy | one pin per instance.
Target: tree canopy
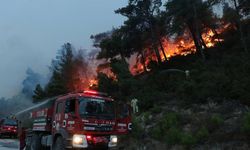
(69, 71)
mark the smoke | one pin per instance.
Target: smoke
(13, 105)
(74, 70)
(23, 99)
(86, 68)
(30, 82)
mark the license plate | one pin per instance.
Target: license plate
(100, 140)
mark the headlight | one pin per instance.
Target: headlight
(113, 141)
(79, 141)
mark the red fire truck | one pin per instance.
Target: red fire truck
(86, 120)
(8, 127)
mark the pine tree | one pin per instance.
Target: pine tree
(62, 72)
(191, 15)
(142, 16)
(69, 72)
(39, 93)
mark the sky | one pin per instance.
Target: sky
(31, 32)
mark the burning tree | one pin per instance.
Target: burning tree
(70, 73)
(153, 33)
(143, 19)
(194, 15)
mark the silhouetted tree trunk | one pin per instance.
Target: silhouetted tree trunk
(243, 41)
(202, 41)
(162, 49)
(155, 47)
(216, 34)
(196, 35)
(197, 42)
(158, 56)
(143, 61)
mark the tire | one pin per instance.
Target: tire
(36, 142)
(59, 144)
(28, 145)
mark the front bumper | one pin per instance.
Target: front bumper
(8, 133)
(92, 141)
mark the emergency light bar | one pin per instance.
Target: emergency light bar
(95, 93)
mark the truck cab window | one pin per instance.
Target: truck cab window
(59, 108)
(70, 106)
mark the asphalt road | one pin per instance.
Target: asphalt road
(9, 144)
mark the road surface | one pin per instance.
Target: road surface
(8, 144)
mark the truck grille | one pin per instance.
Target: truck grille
(100, 128)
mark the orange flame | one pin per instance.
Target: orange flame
(93, 82)
(182, 46)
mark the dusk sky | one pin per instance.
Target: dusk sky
(31, 32)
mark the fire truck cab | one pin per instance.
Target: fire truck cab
(87, 120)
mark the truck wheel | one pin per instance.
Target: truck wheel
(59, 144)
(35, 142)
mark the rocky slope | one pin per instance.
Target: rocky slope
(177, 126)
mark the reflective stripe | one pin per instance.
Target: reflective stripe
(122, 125)
(39, 128)
(40, 124)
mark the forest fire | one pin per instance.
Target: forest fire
(180, 46)
(169, 47)
(93, 82)
(85, 83)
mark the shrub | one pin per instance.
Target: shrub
(216, 120)
(156, 110)
(176, 136)
(137, 130)
(187, 91)
(187, 139)
(168, 129)
(202, 133)
(148, 97)
(173, 136)
(157, 133)
(146, 118)
(246, 123)
(170, 120)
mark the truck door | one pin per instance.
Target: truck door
(70, 113)
(58, 116)
(123, 123)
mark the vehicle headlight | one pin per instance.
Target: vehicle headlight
(79, 141)
(113, 141)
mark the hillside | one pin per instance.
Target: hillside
(207, 110)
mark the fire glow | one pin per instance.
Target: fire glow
(181, 46)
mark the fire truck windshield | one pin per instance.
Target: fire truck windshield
(10, 122)
(96, 108)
